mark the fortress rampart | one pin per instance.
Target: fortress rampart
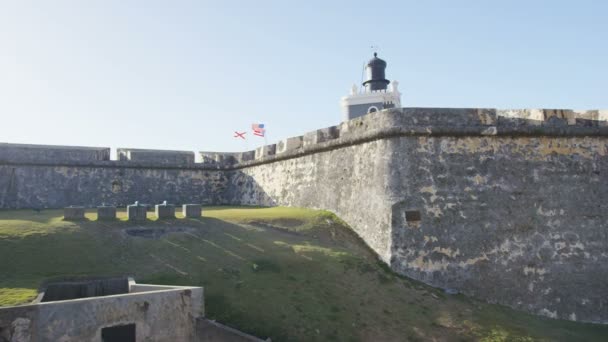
(505, 205)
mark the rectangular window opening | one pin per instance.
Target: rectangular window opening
(412, 216)
(119, 333)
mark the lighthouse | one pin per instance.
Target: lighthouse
(377, 92)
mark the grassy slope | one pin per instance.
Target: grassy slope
(312, 279)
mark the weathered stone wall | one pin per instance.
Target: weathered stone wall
(166, 315)
(505, 205)
(49, 153)
(351, 181)
(114, 183)
(521, 221)
(157, 156)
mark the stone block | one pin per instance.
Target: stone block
(73, 213)
(106, 213)
(247, 156)
(310, 138)
(137, 212)
(207, 158)
(264, 151)
(329, 133)
(602, 115)
(533, 116)
(191, 210)
(322, 135)
(164, 211)
(289, 144)
(227, 159)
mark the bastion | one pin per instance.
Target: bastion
(509, 206)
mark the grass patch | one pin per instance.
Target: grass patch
(291, 274)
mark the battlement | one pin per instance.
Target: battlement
(155, 156)
(427, 122)
(379, 125)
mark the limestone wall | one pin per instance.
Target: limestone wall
(157, 156)
(55, 186)
(521, 221)
(351, 182)
(505, 205)
(49, 153)
(163, 316)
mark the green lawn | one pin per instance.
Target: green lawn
(286, 273)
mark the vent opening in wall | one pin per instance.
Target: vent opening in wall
(412, 216)
(119, 333)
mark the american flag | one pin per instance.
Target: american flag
(258, 129)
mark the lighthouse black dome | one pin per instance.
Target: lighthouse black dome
(375, 74)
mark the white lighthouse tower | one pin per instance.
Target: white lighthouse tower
(378, 93)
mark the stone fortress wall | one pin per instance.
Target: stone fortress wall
(509, 206)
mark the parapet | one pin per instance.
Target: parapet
(321, 135)
(265, 151)
(156, 156)
(435, 122)
(379, 125)
(219, 159)
(51, 153)
(475, 121)
(289, 144)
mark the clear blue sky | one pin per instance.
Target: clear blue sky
(186, 74)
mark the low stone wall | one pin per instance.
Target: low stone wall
(164, 315)
(351, 182)
(74, 289)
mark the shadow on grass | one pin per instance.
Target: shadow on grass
(44, 216)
